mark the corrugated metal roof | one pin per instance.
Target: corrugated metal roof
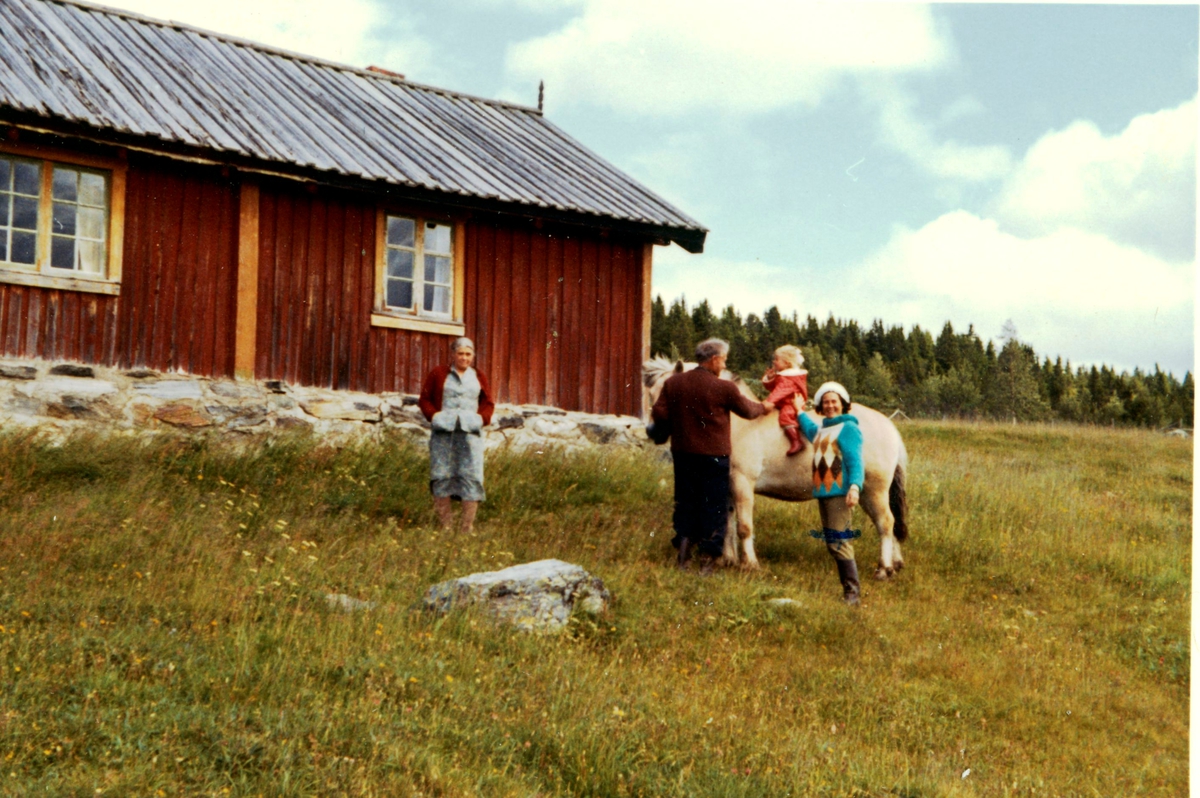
(121, 71)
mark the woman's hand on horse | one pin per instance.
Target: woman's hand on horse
(768, 406)
(852, 496)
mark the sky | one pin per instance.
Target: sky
(918, 164)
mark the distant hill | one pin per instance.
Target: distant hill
(954, 374)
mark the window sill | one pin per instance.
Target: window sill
(419, 325)
(16, 277)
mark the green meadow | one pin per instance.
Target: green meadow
(163, 629)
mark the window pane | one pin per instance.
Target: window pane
(92, 189)
(4, 205)
(62, 252)
(3, 245)
(66, 184)
(437, 238)
(64, 219)
(5, 174)
(437, 269)
(399, 294)
(437, 299)
(27, 178)
(400, 264)
(24, 247)
(401, 232)
(91, 257)
(91, 223)
(25, 213)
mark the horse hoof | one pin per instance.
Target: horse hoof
(896, 566)
(750, 565)
(882, 573)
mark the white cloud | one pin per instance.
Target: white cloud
(349, 31)
(903, 131)
(675, 56)
(1071, 293)
(1138, 186)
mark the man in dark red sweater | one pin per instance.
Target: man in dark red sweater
(695, 407)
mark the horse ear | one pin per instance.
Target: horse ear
(678, 366)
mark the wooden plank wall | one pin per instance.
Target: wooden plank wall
(176, 302)
(316, 273)
(57, 325)
(179, 279)
(557, 319)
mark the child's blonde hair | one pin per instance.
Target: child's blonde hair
(791, 355)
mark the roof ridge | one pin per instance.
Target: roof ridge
(289, 54)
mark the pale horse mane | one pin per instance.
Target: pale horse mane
(656, 371)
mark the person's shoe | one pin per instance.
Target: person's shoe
(848, 574)
(793, 435)
(685, 554)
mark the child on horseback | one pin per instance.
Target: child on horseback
(788, 383)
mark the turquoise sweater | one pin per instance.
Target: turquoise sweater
(837, 454)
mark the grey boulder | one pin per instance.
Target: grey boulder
(533, 596)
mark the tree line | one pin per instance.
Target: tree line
(951, 374)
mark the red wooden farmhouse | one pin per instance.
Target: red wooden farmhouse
(181, 200)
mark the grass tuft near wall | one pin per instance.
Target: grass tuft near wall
(163, 629)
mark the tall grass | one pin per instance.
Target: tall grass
(163, 629)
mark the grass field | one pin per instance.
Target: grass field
(163, 632)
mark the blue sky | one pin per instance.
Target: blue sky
(915, 163)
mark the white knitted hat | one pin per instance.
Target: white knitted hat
(837, 388)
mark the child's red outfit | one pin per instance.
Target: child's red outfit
(785, 387)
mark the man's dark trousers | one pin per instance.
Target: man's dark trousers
(701, 501)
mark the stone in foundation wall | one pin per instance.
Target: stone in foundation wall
(57, 399)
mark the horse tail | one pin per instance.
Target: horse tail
(898, 500)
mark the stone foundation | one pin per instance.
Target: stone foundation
(60, 398)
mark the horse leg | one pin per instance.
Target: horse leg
(875, 503)
(729, 554)
(743, 499)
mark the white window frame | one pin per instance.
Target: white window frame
(41, 273)
(396, 318)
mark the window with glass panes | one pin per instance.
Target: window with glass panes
(418, 273)
(20, 198)
(54, 218)
(78, 220)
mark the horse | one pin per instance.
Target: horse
(759, 464)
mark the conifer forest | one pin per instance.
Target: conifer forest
(951, 374)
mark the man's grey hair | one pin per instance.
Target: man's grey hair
(713, 347)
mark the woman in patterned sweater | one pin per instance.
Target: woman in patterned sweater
(837, 478)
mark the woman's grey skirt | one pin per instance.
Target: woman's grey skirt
(456, 465)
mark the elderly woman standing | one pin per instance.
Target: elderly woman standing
(457, 403)
(837, 478)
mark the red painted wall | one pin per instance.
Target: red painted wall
(178, 285)
(179, 275)
(556, 319)
(556, 316)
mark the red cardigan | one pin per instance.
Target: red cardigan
(430, 401)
